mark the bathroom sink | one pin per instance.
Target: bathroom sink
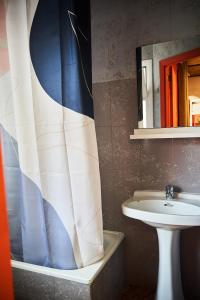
(169, 217)
(162, 213)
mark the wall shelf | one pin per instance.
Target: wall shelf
(165, 133)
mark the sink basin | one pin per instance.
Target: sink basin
(163, 214)
(169, 217)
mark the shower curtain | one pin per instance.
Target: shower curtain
(47, 128)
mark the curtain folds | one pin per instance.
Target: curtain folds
(176, 95)
(184, 114)
(50, 151)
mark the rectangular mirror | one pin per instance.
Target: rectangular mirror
(168, 84)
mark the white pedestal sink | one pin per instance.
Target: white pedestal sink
(169, 217)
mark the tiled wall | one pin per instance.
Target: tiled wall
(118, 27)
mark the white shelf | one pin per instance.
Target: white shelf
(165, 133)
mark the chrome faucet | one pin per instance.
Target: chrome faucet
(169, 192)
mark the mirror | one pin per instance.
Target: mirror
(168, 84)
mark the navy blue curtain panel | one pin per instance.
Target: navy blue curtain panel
(62, 29)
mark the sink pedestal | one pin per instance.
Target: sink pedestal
(168, 217)
(169, 285)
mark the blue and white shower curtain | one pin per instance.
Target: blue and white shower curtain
(48, 134)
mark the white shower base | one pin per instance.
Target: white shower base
(84, 275)
(78, 279)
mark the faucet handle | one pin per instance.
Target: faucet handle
(169, 190)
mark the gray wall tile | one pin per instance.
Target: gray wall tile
(122, 93)
(110, 282)
(70, 290)
(185, 18)
(190, 261)
(102, 104)
(125, 154)
(32, 286)
(104, 141)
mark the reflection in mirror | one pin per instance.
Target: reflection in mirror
(168, 82)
